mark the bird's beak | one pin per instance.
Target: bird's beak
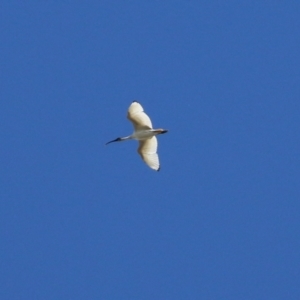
(116, 140)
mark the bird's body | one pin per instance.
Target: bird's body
(144, 133)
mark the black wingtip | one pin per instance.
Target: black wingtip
(134, 101)
(158, 169)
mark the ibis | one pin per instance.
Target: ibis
(144, 133)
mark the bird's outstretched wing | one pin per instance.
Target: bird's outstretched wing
(147, 150)
(138, 117)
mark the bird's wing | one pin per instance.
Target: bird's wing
(147, 150)
(139, 119)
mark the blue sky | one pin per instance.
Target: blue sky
(80, 220)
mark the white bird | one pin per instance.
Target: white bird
(144, 133)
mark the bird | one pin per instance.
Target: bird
(144, 133)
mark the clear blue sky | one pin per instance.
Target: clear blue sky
(80, 220)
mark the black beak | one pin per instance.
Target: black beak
(116, 140)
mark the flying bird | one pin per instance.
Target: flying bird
(144, 133)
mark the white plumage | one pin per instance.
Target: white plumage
(144, 133)
(138, 117)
